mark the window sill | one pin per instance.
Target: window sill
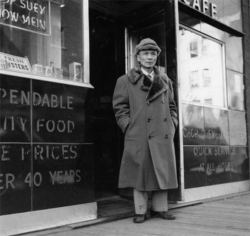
(46, 79)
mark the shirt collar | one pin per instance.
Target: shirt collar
(152, 73)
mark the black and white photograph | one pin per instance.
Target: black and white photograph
(124, 117)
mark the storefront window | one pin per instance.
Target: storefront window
(234, 53)
(43, 39)
(43, 89)
(235, 91)
(201, 70)
(232, 14)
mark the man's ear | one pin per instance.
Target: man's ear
(138, 57)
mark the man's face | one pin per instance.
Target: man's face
(147, 58)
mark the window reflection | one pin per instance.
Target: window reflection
(235, 90)
(234, 53)
(201, 70)
(232, 14)
(50, 42)
(212, 31)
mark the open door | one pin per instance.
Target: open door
(115, 28)
(157, 21)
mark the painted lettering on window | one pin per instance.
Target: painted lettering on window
(25, 14)
(204, 6)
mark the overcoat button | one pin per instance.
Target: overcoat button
(149, 119)
(165, 120)
(163, 101)
(148, 102)
(149, 137)
(166, 136)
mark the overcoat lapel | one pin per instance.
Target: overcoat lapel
(155, 88)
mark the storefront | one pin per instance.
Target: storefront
(202, 52)
(47, 169)
(60, 147)
(212, 99)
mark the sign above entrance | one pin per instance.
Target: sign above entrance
(29, 15)
(203, 6)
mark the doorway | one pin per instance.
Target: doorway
(102, 129)
(115, 28)
(154, 32)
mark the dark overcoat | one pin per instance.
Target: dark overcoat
(147, 114)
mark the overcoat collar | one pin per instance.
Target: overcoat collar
(155, 88)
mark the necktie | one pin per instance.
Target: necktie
(150, 77)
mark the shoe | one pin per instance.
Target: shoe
(163, 214)
(139, 218)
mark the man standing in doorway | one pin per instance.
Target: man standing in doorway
(145, 110)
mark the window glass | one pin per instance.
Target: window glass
(232, 14)
(201, 70)
(235, 90)
(42, 38)
(234, 53)
(212, 31)
(237, 128)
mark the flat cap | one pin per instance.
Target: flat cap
(147, 44)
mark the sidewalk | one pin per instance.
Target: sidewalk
(225, 216)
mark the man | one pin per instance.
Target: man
(145, 110)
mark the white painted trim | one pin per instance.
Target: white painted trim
(86, 49)
(178, 84)
(44, 219)
(195, 194)
(46, 79)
